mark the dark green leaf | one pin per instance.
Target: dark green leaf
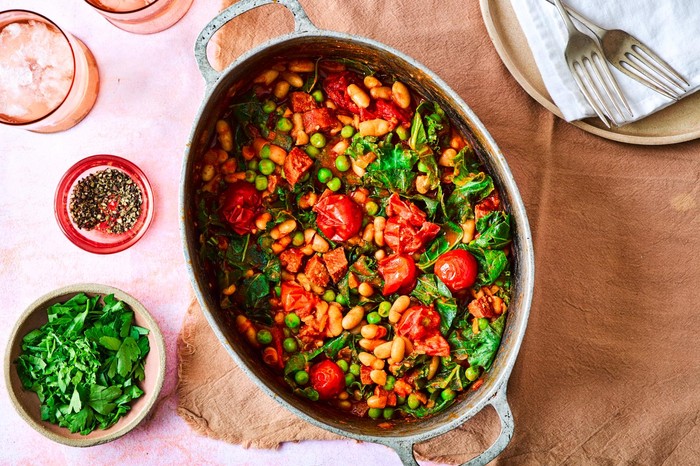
(450, 235)
(429, 288)
(447, 308)
(460, 203)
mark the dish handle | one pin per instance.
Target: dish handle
(302, 23)
(500, 404)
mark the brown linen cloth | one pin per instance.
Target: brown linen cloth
(609, 369)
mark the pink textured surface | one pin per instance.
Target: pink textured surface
(149, 93)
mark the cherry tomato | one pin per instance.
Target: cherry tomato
(240, 204)
(336, 86)
(399, 274)
(327, 378)
(407, 212)
(434, 345)
(338, 217)
(296, 299)
(407, 230)
(456, 269)
(404, 238)
(419, 322)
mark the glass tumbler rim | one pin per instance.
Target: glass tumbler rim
(113, 12)
(72, 51)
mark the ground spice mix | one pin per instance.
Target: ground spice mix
(107, 200)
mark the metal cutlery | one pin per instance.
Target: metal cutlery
(629, 55)
(590, 71)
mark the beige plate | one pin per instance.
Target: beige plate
(27, 403)
(677, 123)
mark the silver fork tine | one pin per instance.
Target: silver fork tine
(599, 65)
(661, 63)
(586, 93)
(655, 71)
(648, 79)
(605, 88)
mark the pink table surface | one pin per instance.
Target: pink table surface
(150, 90)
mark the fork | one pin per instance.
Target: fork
(629, 55)
(591, 73)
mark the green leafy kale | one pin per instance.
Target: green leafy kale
(393, 168)
(84, 363)
(451, 234)
(429, 288)
(460, 203)
(480, 349)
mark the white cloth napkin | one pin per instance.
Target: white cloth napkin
(671, 28)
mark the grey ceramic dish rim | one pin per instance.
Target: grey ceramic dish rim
(495, 395)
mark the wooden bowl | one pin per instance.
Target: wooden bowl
(27, 403)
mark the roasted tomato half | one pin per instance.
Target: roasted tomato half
(399, 274)
(327, 378)
(421, 324)
(338, 217)
(407, 231)
(240, 204)
(457, 269)
(296, 299)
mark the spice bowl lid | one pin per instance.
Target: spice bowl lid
(98, 240)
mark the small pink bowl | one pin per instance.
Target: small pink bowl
(96, 241)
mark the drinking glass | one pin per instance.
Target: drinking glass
(48, 78)
(142, 16)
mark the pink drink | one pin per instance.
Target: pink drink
(36, 70)
(142, 16)
(48, 78)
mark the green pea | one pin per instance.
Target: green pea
(342, 300)
(342, 163)
(266, 166)
(384, 308)
(324, 175)
(318, 140)
(343, 364)
(250, 176)
(284, 125)
(413, 401)
(371, 208)
(298, 238)
(292, 320)
(483, 323)
(390, 381)
(290, 345)
(388, 413)
(422, 167)
(278, 290)
(253, 165)
(472, 373)
(400, 400)
(264, 337)
(347, 131)
(261, 182)
(402, 132)
(329, 295)
(334, 184)
(374, 413)
(311, 151)
(301, 377)
(355, 369)
(349, 379)
(373, 318)
(265, 152)
(448, 394)
(312, 395)
(269, 106)
(317, 95)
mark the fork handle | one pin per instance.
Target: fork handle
(598, 31)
